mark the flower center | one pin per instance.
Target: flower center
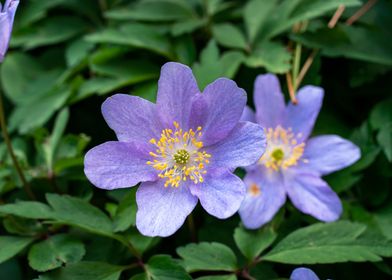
(283, 149)
(179, 156)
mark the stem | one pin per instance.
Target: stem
(192, 229)
(306, 67)
(291, 88)
(336, 16)
(369, 4)
(8, 143)
(296, 64)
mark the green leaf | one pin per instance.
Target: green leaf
(329, 243)
(213, 66)
(218, 277)
(381, 114)
(17, 72)
(164, 10)
(77, 212)
(253, 242)
(77, 51)
(126, 212)
(11, 245)
(208, 256)
(134, 35)
(163, 267)
(384, 221)
(27, 209)
(356, 42)
(271, 55)
(50, 31)
(384, 138)
(85, 271)
(55, 251)
(256, 12)
(229, 35)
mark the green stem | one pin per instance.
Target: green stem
(296, 65)
(192, 228)
(8, 143)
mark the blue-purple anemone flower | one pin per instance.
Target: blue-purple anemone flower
(183, 149)
(7, 14)
(303, 273)
(292, 164)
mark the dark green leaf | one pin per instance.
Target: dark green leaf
(208, 256)
(229, 35)
(27, 209)
(11, 245)
(163, 267)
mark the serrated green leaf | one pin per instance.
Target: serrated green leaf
(208, 256)
(229, 35)
(12, 245)
(163, 267)
(54, 252)
(253, 242)
(256, 12)
(329, 243)
(27, 209)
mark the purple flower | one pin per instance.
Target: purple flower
(292, 164)
(183, 149)
(303, 273)
(7, 14)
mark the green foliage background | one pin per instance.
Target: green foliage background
(67, 56)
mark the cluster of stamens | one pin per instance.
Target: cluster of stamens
(178, 156)
(283, 149)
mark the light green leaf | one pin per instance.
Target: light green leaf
(55, 251)
(126, 212)
(12, 245)
(229, 35)
(163, 267)
(77, 212)
(77, 51)
(330, 243)
(27, 209)
(271, 55)
(208, 256)
(252, 242)
(256, 12)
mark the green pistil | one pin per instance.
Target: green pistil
(181, 156)
(277, 154)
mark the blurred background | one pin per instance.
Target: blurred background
(67, 56)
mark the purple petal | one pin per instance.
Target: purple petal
(328, 153)
(248, 115)
(301, 117)
(269, 101)
(265, 196)
(219, 110)
(311, 195)
(220, 194)
(131, 117)
(303, 273)
(176, 89)
(162, 210)
(114, 165)
(7, 16)
(242, 147)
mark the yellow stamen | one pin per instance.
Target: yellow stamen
(178, 156)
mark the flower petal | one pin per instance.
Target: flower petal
(303, 273)
(131, 117)
(114, 165)
(248, 115)
(302, 116)
(7, 15)
(220, 194)
(311, 195)
(328, 153)
(269, 101)
(176, 89)
(265, 196)
(162, 210)
(224, 103)
(242, 147)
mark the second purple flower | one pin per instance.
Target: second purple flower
(183, 149)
